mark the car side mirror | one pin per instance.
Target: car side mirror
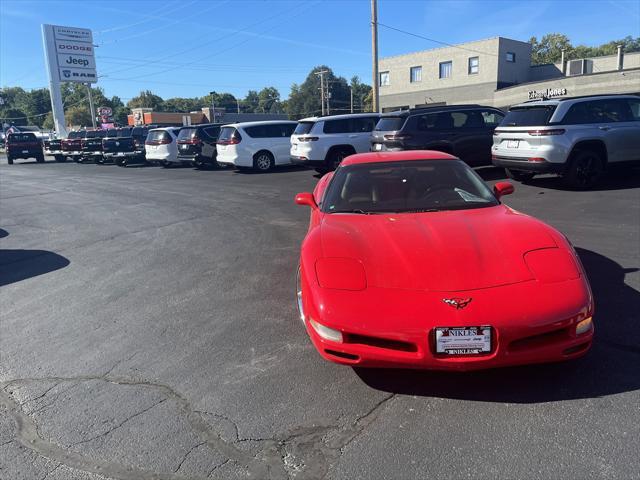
(501, 189)
(306, 198)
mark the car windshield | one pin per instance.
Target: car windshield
(112, 132)
(187, 134)
(406, 187)
(303, 128)
(226, 134)
(388, 124)
(124, 132)
(157, 136)
(22, 137)
(528, 116)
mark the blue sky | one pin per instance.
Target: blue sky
(189, 47)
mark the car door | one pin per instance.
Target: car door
(281, 141)
(360, 135)
(209, 137)
(613, 117)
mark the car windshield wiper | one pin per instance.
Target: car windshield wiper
(355, 210)
(419, 210)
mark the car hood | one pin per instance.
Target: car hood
(437, 251)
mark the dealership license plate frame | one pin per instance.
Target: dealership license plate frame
(466, 344)
(513, 143)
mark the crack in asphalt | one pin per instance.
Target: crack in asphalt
(111, 430)
(304, 452)
(187, 454)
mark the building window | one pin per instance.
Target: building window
(445, 69)
(415, 74)
(384, 78)
(511, 57)
(474, 65)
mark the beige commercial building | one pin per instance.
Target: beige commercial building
(497, 72)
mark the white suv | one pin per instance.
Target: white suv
(257, 145)
(573, 137)
(322, 142)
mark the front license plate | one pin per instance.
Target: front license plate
(513, 143)
(120, 154)
(377, 146)
(463, 340)
(25, 151)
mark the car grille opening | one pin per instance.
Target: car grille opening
(346, 356)
(382, 343)
(576, 349)
(541, 340)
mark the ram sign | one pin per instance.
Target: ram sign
(74, 59)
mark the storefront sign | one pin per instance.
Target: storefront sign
(548, 93)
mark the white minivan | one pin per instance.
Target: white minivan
(258, 145)
(161, 147)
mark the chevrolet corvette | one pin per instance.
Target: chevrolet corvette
(412, 261)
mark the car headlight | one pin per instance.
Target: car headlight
(550, 265)
(326, 332)
(341, 273)
(584, 326)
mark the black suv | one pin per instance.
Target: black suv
(197, 144)
(23, 145)
(465, 131)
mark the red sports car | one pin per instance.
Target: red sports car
(411, 260)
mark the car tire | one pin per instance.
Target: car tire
(334, 159)
(519, 175)
(166, 164)
(585, 170)
(59, 158)
(40, 158)
(263, 161)
(10, 160)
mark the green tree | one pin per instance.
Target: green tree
(183, 105)
(269, 100)
(78, 116)
(549, 48)
(251, 102)
(304, 99)
(146, 99)
(13, 116)
(221, 100)
(361, 92)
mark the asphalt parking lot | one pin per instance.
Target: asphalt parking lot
(148, 330)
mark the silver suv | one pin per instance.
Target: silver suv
(573, 137)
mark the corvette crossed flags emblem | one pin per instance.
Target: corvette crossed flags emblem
(457, 303)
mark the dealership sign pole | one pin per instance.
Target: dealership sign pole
(69, 56)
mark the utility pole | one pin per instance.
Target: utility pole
(374, 54)
(322, 91)
(351, 91)
(238, 104)
(91, 107)
(213, 108)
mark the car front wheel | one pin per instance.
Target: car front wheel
(10, 160)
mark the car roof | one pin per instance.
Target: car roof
(379, 157)
(558, 101)
(258, 123)
(441, 108)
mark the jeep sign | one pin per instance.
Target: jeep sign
(76, 61)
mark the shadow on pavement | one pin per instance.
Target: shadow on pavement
(18, 265)
(609, 368)
(619, 178)
(277, 169)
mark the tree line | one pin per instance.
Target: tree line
(549, 48)
(32, 107)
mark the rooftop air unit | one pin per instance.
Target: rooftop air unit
(580, 67)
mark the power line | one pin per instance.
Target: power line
(434, 40)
